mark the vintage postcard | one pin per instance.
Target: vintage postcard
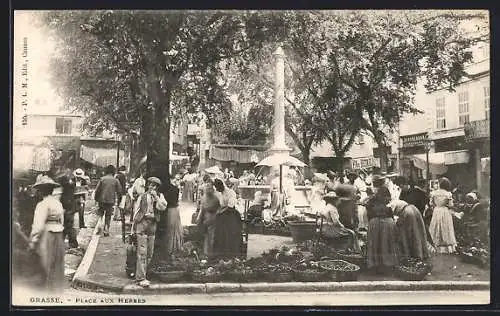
(250, 158)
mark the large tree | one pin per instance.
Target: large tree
(367, 64)
(133, 69)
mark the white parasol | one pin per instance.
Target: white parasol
(215, 170)
(281, 160)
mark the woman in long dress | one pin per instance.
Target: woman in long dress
(381, 237)
(441, 227)
(333, 228)
(174, 225)
(228, 240)
(188, 189)
(412, 236)
(209, 206)
(46, 237)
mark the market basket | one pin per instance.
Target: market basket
(340, 270)
(352, 257)
(201, 277)
(302, 230)
(408, 274)
(310, 275)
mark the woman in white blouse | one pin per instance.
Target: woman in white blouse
(47, 234)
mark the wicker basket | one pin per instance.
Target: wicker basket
(341, 275)
(302, 231)
(168, 276)
(354, 258)
(310, 276)
(203, 278)
(411, 276)
(277, 276)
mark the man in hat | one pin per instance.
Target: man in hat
(122, 177)
(107, 192)
(81, 189)
(146, 217)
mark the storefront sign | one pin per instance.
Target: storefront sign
(414, 140)
(477, 129)
(364, 163)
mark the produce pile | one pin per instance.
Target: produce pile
(338, 265)
(307, 266)
(475, 252)
(414, 266)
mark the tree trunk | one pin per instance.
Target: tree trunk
(158, 155)
(305, 153)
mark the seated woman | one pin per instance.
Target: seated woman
(256, 206)
(412, 238)
(333, 228)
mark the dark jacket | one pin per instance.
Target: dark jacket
(172, 196)
(108, 189)
(123, 181)
(416, 196)
(347, 208)
(376, 207)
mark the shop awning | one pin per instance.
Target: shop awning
(233, 154)
(438, 162)
(101, 157)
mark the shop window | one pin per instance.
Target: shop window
(486, 101)
(440, 113)
(463, 108)
(63, 125)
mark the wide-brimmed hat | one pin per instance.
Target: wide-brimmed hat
(45, 181)
(79, 173)
(57, 191)
(154, 180)
(377, 178)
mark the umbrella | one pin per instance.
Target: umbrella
(280, 159)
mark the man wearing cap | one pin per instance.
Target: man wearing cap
(144, 224)
(107, 192)
(81, 189)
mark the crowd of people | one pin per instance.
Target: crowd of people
(401, 219)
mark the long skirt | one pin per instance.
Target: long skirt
(228, 240)
(174, 230)
(188, 192)
(381, 243)
(51, 250)
(412, 235)
(442, 231)
(208, 242)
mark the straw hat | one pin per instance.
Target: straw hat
(79, 173)
(45, 181)
(154, 180)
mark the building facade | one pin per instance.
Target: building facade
(441, 130)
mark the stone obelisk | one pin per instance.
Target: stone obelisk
(279, 145)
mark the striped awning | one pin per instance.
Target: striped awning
(101, 157)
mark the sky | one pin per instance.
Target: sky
(41, 94)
